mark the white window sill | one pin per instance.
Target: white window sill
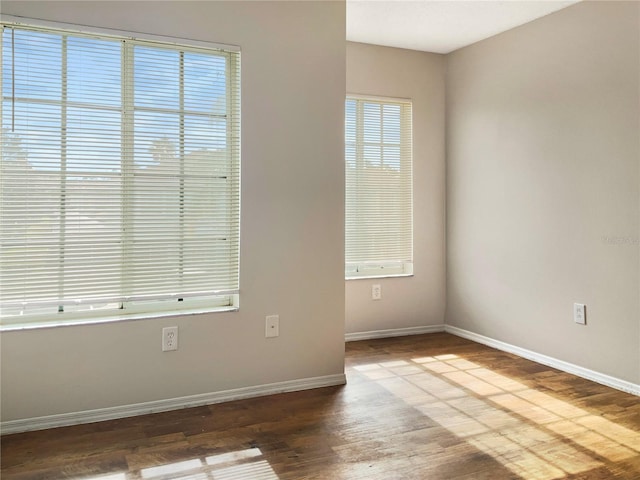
(369, 277)
(38, 324)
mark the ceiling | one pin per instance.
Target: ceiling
(439, 26)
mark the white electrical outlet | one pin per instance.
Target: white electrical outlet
(376, 292)
(580, 313)
(272, 326)
(169, 339)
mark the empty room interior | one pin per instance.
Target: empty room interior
(195, 278)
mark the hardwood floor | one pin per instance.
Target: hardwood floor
(433, 407)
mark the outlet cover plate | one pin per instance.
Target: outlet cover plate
(169, 339)
(580, 313)
(376, 292)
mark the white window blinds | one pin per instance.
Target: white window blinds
(120, 175)
(379, 227)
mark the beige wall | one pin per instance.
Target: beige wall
(292, 224)
(419, 300)
(543, 159)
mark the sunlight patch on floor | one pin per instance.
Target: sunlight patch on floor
(237, 465)
(533, 434)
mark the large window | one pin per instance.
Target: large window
(379, 227)
(120, 176)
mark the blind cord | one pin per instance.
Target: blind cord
(13, 81)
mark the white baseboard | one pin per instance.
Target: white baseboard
(111, 413)
(594, 376)
(393, 332)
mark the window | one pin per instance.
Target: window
(379, 225)
(120, 176)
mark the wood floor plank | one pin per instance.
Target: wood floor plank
(433, 407)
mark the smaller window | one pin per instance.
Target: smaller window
(379, 188)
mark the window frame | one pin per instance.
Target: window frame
(136, 308)
(371, 269)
